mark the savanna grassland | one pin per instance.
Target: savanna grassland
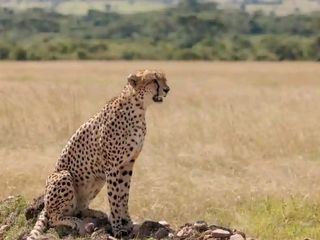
(236, 144)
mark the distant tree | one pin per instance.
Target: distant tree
(186, 54)
(191, 30)
(33, 56)
(19, 54)
(4, 52)
(314, 49)
(82, 55)
(128, 55)
(190, 4)
(256, 24)
(289, 50)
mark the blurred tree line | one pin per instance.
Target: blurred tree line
(191, 31)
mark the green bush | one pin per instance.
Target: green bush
(191, 31)
(82, 55)
(19, 54)
(4, 52)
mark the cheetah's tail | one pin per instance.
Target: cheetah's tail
(40, 226)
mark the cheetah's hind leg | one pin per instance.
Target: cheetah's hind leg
(60, 202)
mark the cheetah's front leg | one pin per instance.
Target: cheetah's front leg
(118, 195)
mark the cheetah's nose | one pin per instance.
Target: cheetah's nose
(166, 90)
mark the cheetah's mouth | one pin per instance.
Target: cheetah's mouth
(157, 98)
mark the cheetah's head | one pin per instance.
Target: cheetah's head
(150, 84)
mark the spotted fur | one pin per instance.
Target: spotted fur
(103, 150)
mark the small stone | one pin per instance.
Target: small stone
(180, 233)
(89, 227)
(237, 236)
(219, 233)
(208, 237)
(164, 223)
(241, 233)
(4, 228)
(170, 235)
(200, 226)
(208, 232)
(147, 229)
(184, 232)
(213, 227)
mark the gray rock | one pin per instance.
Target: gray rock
(200, 226)
(208, 232)
(208, 237)
(170, 235)
(237, 236)
(162, 233)
(164, 223)
(148, 229)
(219, 233)
(184, 232)
(240, 233)
(4, 228)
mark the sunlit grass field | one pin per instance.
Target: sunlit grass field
(236, 144)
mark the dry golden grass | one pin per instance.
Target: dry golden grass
(232, 141)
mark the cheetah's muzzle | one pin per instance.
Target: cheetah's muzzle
(157, 98)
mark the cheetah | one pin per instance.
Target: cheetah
(102, 151)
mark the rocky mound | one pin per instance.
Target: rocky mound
(16, 221)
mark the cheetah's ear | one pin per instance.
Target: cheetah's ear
(133, 80)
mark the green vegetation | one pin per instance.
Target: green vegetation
(12, 215)
(14, 224)
(80, 7)
(293, 218)
(267, 218)
(191, 31)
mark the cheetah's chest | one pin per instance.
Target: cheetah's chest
(137, 140)
(125, 143)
